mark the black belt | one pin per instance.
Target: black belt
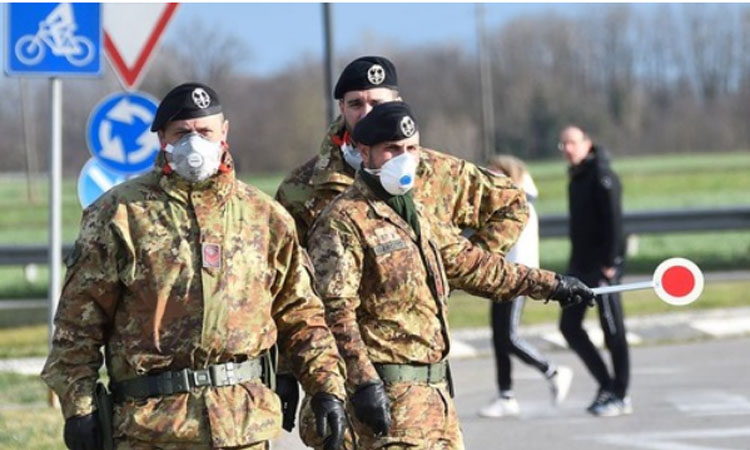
(168, 383)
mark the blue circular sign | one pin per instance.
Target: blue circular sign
(119, 132)
(94, 180)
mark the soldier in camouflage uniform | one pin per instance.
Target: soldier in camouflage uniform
(383, 270)
(457, 193)
(188, 278)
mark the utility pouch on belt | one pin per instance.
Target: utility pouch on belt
(449, 379)
(270, 361)
(103, 402)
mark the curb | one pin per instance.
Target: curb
(647, 330)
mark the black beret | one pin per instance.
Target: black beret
(367, 72)
(186, 101)
(390, 121)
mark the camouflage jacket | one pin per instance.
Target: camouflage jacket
(167, 277)
(453, 191)
(385, 289)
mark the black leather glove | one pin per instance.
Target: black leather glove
(372, 407)
(329, 413)
(571, 291)
(288, 391)
(83, 433)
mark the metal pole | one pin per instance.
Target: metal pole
(624, 287)
(486, 92)
(29, 143)
(55, 199)
(328, 61)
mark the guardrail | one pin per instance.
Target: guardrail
(651, 222)
(642, 222)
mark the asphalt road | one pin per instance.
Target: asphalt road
(692, 396)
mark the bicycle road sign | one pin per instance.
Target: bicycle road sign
(119, 133)
(53, 39)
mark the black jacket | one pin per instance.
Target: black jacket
(595, 207)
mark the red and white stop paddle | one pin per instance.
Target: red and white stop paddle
(677, 281)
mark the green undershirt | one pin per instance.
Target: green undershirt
(403, 205)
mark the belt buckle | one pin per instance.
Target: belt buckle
(181, 381)
(169, 383)
(223, 374)
(201, 378)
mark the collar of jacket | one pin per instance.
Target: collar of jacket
(588, 162)
(331, 171)
(216, 190)
(384, 211)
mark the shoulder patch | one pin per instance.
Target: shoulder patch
(606, 181)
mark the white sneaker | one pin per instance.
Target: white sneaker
(559, 384)
(608, 404)
(502, 406)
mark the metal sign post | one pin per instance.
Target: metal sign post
(53, 40)
(55, 199)
(328, 62)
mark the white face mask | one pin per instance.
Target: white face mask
(398, 174)
(352, 156)
(194, 157)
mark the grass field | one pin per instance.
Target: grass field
(25, 420)
(650, 183)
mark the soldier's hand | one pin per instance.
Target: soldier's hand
(329, 413)
(371, 406)
(288, 391)
(571, 291)
(83, 433)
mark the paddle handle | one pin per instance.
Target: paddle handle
(624, 287)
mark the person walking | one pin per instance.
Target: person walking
(506, 316)
(597, 258)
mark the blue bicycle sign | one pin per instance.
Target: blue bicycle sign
(53, 39)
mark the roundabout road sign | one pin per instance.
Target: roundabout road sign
(119, 132)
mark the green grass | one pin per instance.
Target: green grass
(650, 182)
(19, 342)
(31, 428)
(26, 422)
(659, 182)
(469, 311)
(712, 251)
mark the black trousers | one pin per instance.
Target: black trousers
(609, 307)
(505, 319)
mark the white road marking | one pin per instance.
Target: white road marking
(723, 327)
(666, 440)
(699, 403)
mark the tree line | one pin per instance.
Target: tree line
(662, 79)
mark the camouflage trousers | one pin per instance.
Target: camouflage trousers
(126, 444)
(423, 417)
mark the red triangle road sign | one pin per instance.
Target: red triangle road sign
(131, 34)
